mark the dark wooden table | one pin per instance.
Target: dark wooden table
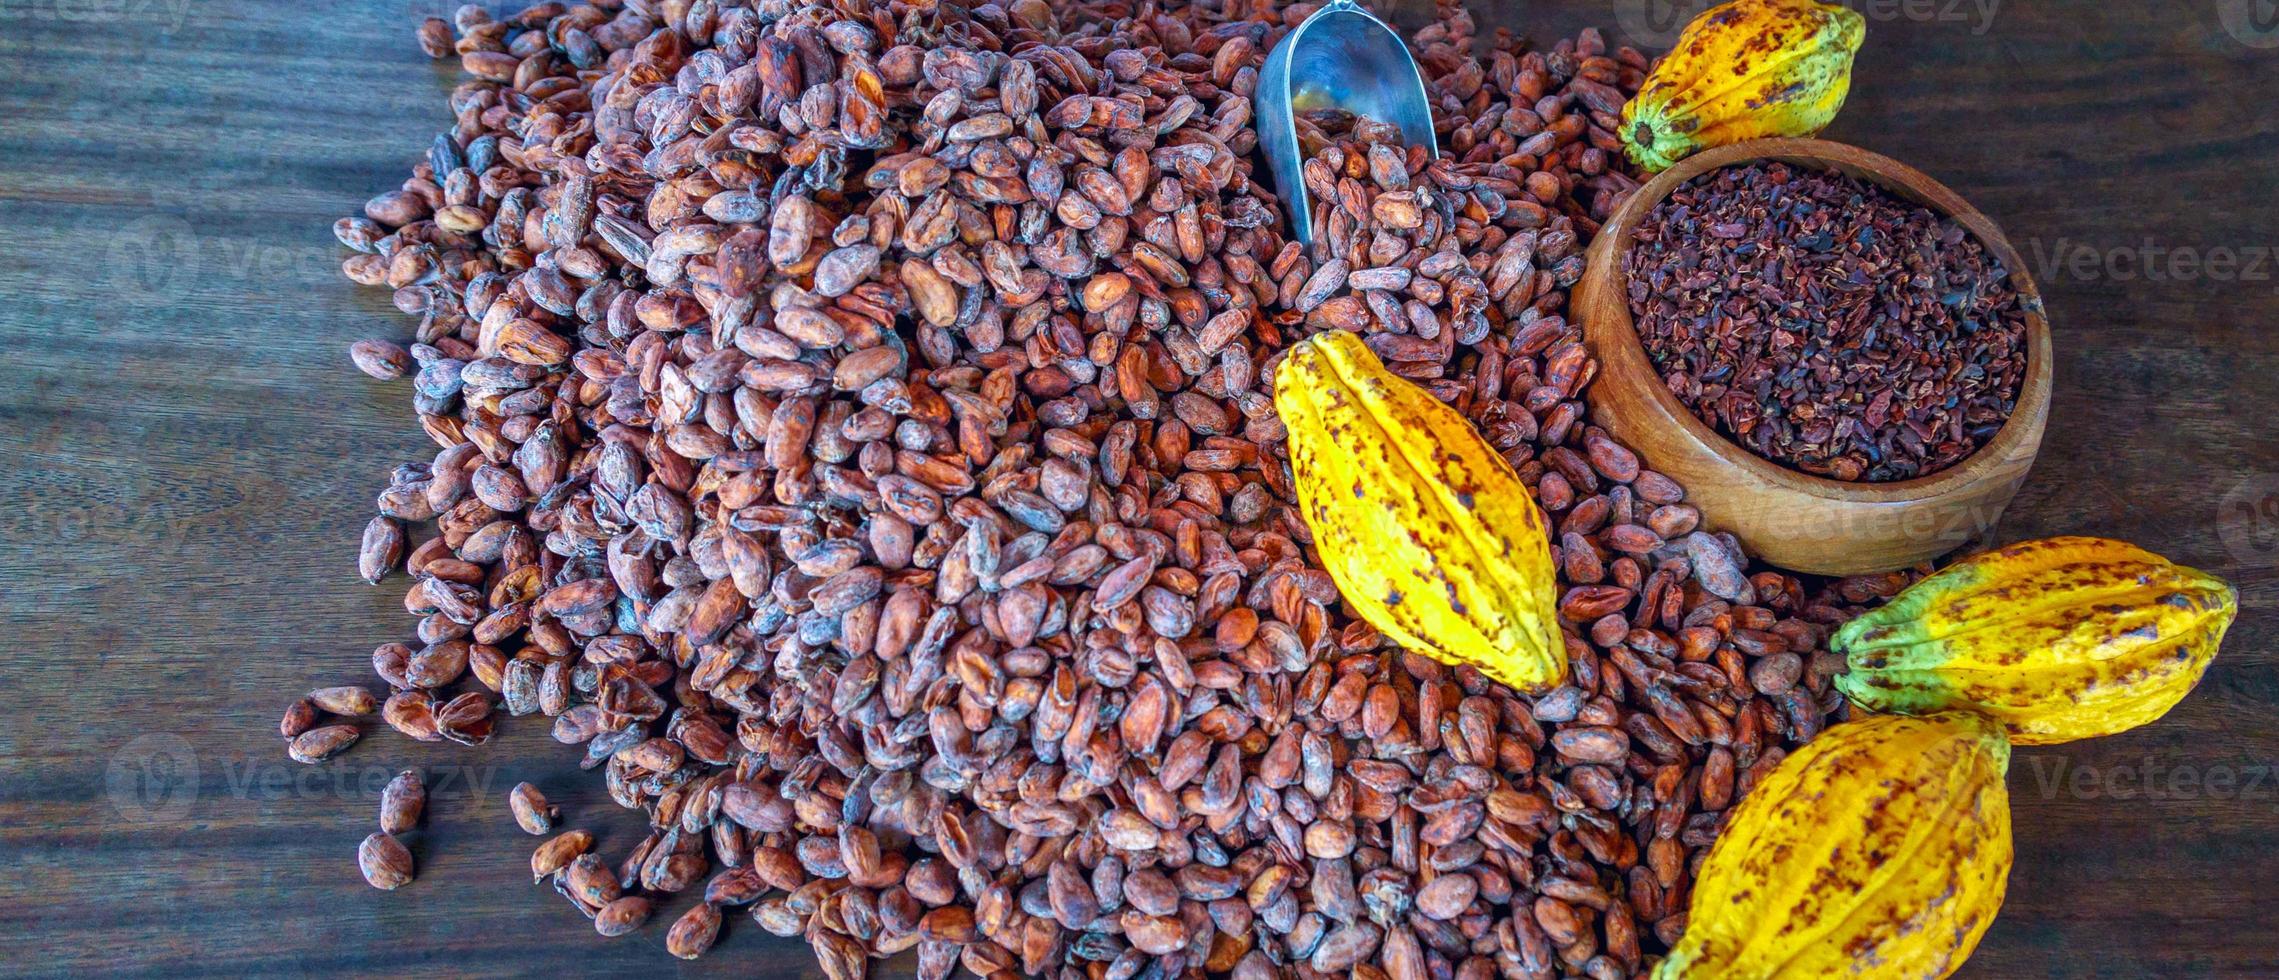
(186, 460)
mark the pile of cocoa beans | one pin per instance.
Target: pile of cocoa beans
(851, 438)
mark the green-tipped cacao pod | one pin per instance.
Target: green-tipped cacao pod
(2058, 639)
(1742, 71)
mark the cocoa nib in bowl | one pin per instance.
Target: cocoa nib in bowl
(1826, 324)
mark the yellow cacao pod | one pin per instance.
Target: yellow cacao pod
(1879, 849)
(1741, 71)
(1427, 531)
(2058, 639)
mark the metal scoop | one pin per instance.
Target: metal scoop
(1338, 58)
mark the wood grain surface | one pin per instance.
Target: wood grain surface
(186, 459)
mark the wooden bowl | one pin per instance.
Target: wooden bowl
(1788, 518)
